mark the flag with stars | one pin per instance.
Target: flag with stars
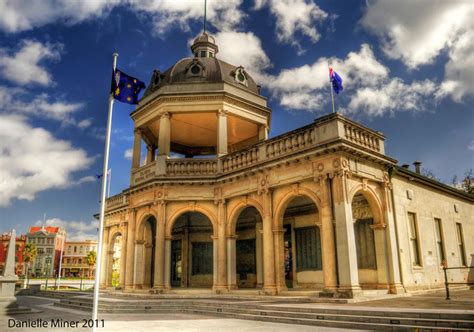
(126, 88)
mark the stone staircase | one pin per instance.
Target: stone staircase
(283, 312)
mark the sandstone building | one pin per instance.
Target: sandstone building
(218, 205)
(74, 262)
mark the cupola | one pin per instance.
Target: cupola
(204, 46)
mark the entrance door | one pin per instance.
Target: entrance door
(288, 257)
(176, 263)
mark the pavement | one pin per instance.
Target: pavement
(138, 322)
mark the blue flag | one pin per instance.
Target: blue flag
(336, 81)
(126, 88)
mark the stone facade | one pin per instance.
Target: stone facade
(20, 267)
(319, 208)
(49, 242)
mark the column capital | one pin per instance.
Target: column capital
(222, 112)
(165, 115)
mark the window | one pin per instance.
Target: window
(365, 244)
(439, 240)
(462, 253)
(203, 54)
(49, 250)
(81, 249)
(211, 55)
(308, 249)
(414, 245)
(202, 258)
(75, 249)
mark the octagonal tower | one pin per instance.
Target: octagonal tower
(199, 107)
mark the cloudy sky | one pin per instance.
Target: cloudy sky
(408, 70)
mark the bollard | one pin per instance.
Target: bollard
(46, 285)
(446, 282)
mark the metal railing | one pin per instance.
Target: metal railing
(57, 284)
(447, 283)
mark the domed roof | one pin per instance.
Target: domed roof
(204, 67)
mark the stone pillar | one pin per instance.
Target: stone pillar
(231, 262)
(221, 132)
(327, 238)
(137, 141)
(346, 248)
(259, 253)
(278, 239)
(159, 275)
(108, 275)
(150, 154)
(214, 261)
(164, 136)
(221, 248)
(129, 272)
(168, 262)
(262, 133)
(395, 285)
(380, 255)
(269, 286)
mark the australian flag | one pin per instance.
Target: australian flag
(336, 81)
(126, 88)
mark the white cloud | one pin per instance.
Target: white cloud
(12, 101)
(22, 15)
(24, 66)
(83, 124)
(368, 86)
(33, 160)
(244, 49)
(128, 154)
(471, 146)
(76, 230)
(417, 32)
(224, 15)
(295, 16)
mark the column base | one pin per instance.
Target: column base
(268, 290)
(158, 290)
(396, 289)
(220, 289)
(328, 292)
(232, 287)
(348, 292)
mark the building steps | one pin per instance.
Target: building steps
(331, 317)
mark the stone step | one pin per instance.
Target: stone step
(297, 317)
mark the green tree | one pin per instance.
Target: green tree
(29, 255)
(91, 260)
(467, 184)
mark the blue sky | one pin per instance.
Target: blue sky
(408, 70)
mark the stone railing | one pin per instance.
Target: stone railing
(239, 159)
(289, 144)
(191, 167)
(116, 201)
(325, 130)
(362, 137)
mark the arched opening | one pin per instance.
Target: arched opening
(365, 241)
(301, 257)
(249, 249)
(145, 253)
(192, 251)
(113, 260)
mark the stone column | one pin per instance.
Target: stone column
(269, 286)
(221, 248)
(129, 272)
(159, 282)
(259, 253)
(168, 262)
(221, 132)
(137, 141)
(108, 272)
(327, 238)
(380, 255)
(231, 262)
(346, 248)
(262, 133)
(164, 136)
(278, 239)
(395, 284)
(214, 261)
(150, 154)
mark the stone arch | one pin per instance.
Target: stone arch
(143, 218)
(145, 238)
(288, 197)
(194, 208)
(234, 214)
(374, 201)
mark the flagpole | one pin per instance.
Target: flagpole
(102, 205)
(332, 92)
(110, 180)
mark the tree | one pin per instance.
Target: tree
(91, 260)
(467, 184)
(29, 255)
